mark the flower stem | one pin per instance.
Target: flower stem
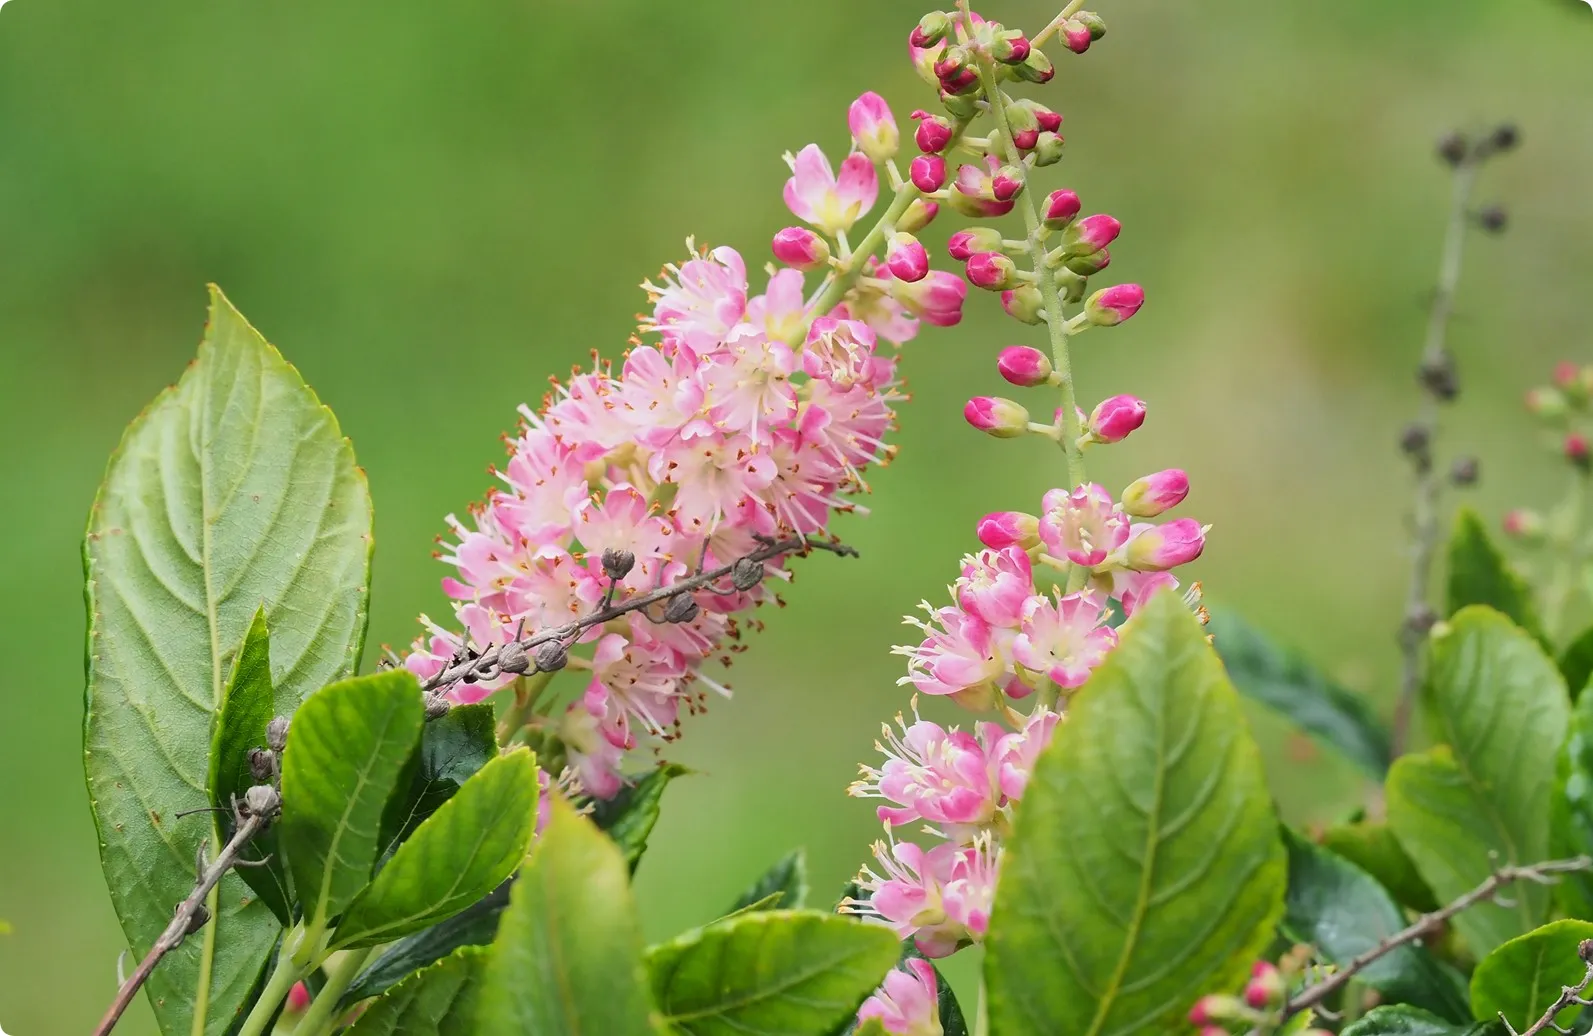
(322, 1016)
(525, 701)
(1056, 23)
(982, 1011)
(276, 990)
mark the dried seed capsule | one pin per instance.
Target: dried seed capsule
(617, 564)
(746, 574)
(262, 800)
(262, 763)
(512, 658)
(681, 608)
(277, 734)
(552, 656)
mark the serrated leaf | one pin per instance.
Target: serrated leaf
(567, 959)
(346, 749)
(1372, 847)
(233, 491)
(1403, 1020)
(1144, 868)
(476, 925)
(785, 885)
(1341, 910)
(1482, 799)
(769, 974)
(628, 817)
(439, 1001)
(1576, 663)
(1479, 574)
(1284, 680)
(1520, 980)
(460, 853)
(452, 748)
(1571, 810)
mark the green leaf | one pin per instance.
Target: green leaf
(1576, 663)
(462, 852)
(1402, 1020)
(452, 748)
(1462, 808)
(476, 925)
(567, 959)
(769, 973)
(628, 817)
(1338, 908)
(440, 1001)
(1372, 847)
(1571, 810)
(247, 706)
(1284, 680)
(1145, 867)
(1522, 979)
(346, 749)
(233, 491)
(1479, 574)
(784, 885)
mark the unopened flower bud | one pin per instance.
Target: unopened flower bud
(262, 763)
(1077, 35)
(995, 416)
(298, 998)
(1577, 450)
(930, 30)
(933, 133)
(1026, 139)
(920, 213)
(1114, 305)
(966, 243)
(1547, 403)
(1524, 524)
(1565, 375)
(1150, 496)
(1061, 209)
(1024, 366)
(906, 258)
(1010, 47)
(1438, 375)
(1414, 441)
(1007, 184)
(955, 70)
(1024, 125)
(1505, 137)
(1071, 285)
(1216, 1008)
(928, 173)
(1048, 120)
(1093, 22)
(512, 658)
(1090, 234)
(1453, 148)
(746, 573)
(1087, 265)
(617, 564)
(277, 734)
(1493, 219)
(1024, 303)
(1009, 529)
(1464, 471)
(1048, 149)
(552, 656)
(1113, 419)
(1166, 546)
(993, 271)
(937, 299)
(1036, 67)
(873, 127)
(800, 248)
(682, 607)
(1266, 987)
(262, 800)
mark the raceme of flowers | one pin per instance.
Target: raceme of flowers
(734, 415)
(1034, 611)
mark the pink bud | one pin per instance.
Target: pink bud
(1524, 524)
(1036, 68)
(1577, 449)
(1266, 987)
(801, 248)
(1026, 139)
(1114, 305)
(1049, 120)
(1157, 548)
(928, 173)
(1024, 366)
(933, 133)
(995, 416)
(1214, 1008)
(920, 213)
(930, 30)
(1010, 48)
(1061, 209)
(1091, 234)
(993, 271)
(1009, 529)
(1150, 496)
(937, 299)
(1547, 403)
(1024, 303)
(965, 243)
(906, 258)
(1113, 419)
(1007, 183)
(1565, 374)
(298, 997)
(1077, 36)
(873, 127)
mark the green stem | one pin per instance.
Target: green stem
(519, 712)
(322, 1016)
(276, 990)
(1056, 23)
(982, 1011)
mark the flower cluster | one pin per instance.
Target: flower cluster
(1262, 1007)
(737, 417)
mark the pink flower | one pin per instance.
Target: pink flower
(873, 127)
(936, 299)
(1156, 548)
(1523, 524)
(832, 204)
(1008, 529)
(1083, 526)
(995, 416)
(1150, 496)
(781, 311)
(933, 133)
(1024, 366)
(907, 1002)
(748, 385)
(712, 476)
(1113, 305)
(874, 302)
(934, 774)
(840, 352)
(975, 192)
(659, 396)
(906, 258)
(1066, 639)
(971, 892)
(1114, 419)
(591, 746)
(644, 678)
(801, 248)
(624, 519)
(1132, 589)
(928, 173)
(1019, 750)
(995, 585)
(908, 894)
(700, 301)
(959, 657)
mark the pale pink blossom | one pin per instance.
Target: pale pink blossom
(1156, 548)
(701, 300)
(712, 475)
(748, 386)
(1066, 638)
(960, 656)
(1018, 751)
(781, 311)
(840, 352)
(995, 585)
(907, 894)
(873, 127)
(907, 1002)
(1084, 526)
(816, 195)
(942, 776)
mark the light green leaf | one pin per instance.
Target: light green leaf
(1403, 1020)
(233, 491)
(567, 959)
(1482, 799)
(785, 885)
(1571, 810)
(1286, 681)
(1338, 908)
(628, 817)
(452, 748)
(346, 749)
(770, 973)
(439, 1001)
(1372, 847)
(459, 854)
(1145, 867)
(476, 925)
(1479, 574)
(1521, 979)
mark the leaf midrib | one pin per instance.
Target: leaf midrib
(363, 778)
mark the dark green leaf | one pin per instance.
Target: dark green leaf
(1372, 847)
(247, 705)
(1338, 908)
(628, 817)
(1479, 574)
(769, 973)
(1521, 979)
(234, 490)
(1144, 868)
(346, 750)
(460, 853)
(452, 747)
(476, 925)
(1571, 810)
(1482, 799)
(1286, 681)
(1576, 663)
(567, 959)
(1402, 1020)
(785, 885)
(440, 1001)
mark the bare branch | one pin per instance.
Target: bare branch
(1569, 995)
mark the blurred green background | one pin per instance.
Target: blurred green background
(430, 207)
